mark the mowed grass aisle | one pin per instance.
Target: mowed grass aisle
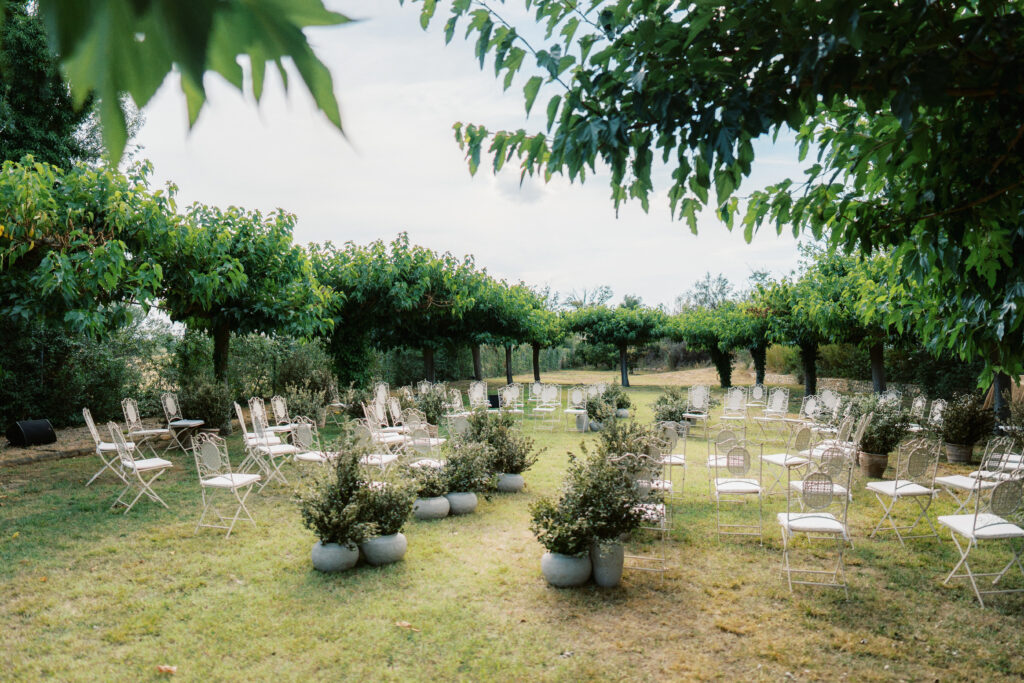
(90, 594)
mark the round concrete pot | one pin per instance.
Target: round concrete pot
(581, 423)
(461, 503)
(607, 560)
(958, 452)
(565, 571)
(430, 508)
(873, 464)
(622, 413)
(511, 483)
(333, 557)
(595, 426)
(384, 549)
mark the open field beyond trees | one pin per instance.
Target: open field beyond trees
(90, 594)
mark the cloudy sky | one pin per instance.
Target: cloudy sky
(399, 169)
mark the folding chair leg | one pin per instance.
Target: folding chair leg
(107, 465)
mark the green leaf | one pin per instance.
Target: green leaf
(530, 90)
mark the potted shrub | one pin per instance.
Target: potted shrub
(566, 537)
(433, 404)
(887, 428)
(430, 486)
(511, 453)
(965, 421)
(466, 473)
(619, 400)
(671, 406)
(330, 508)
(599, 411)
(385, 506)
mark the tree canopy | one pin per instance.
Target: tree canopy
(717, 330)
(912, 111)
(622, 326)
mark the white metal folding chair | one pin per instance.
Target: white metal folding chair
(258, 411)
(916, 465)
(646, 470)
(829, 399)
(181, 430)
(279, 407)
(990, 521)
(549, 402)
(248, 436)
(833, 461)
(775, 410)
(265, 454)
(576, 406)
(758, 396)
(962, 488)
(107, 450)
(717, 448)
(734, 407)
(215, 475)
(698, 405)
(477, 394)
(935, 413)
(137, 432)
(823, 507)
(810, 408)
(424, 386)
(381, 392)
(918, 410)
(794, 458)
(737, 481)
(306, 438)
(335, 408)
(133, 471)
(891, 396)
(379, 455)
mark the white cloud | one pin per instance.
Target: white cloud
(400, 170)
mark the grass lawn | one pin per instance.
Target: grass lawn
(87, 593)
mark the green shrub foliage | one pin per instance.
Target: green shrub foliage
(511, 452)
(670, 406)
(965, 420)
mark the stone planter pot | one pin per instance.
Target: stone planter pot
(461, 503)
(430, 508)
(873, 465)
(333, 557)
(595, 426)
(622, 413)
(959, 453)
(384, 549)
(581, 423)
(511, 483)
(607, 561)
(565, 571)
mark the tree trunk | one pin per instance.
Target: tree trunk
(428, 364)
(808, 359)
(877, 352)
(536, 362)
(221, 348)
(760, 356)
(723, 364)
(478, 366)
(623, 365)
(1001, 392)
(508, 363)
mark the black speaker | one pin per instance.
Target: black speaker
(31, 433)
(493, 400)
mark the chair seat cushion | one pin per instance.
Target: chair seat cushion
(426, 462)
(785, 460)
(900, 488)
(187, 424)
(388, 438)
(652, 512)
(280, 429)
(575, 411)
(107, 447)
(233, 480)
(431, 442)
(149, 464)
(315, 456)
(378, 459)
(656, 484)
(673, 459)
(812, 522)
(251, 440)
(745, 486)
(964, 483)
(988, 526)
(545, 409)
(279, 449)
(695, 416)
(149, 432)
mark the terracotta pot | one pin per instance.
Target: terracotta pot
(960, 453)
(873, 464)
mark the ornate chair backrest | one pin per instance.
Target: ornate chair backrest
(535, 390)
(258, 415)
(211, 455)
(817, 491)
(332, 393)
(395, 408)
(670, 436)
(737, 461)
(845, 429)
(758, 394)
(454, 399)
(241, 418)
(280, 408)
(477, 394)
(641, 467)
(363, 435)
(514, 392)
(381, 392)
(407, 392)
(829, 398)
(938, 408)
(601, 388)
(811, 407)
(92, 426)
(577, 397)
(833, 461)
(172, 411)
(724, 440)
(419, 439)
(592, 391)
(918, 407)
(549, 393)
(423, 386)
(697, 397)
(735, 400)
(460, 424)
(778, 401)
(890, 396)
(918, 461)
(124, 454)
(305, 435)
(131, 414)
(415, 418)
(1001, 502)
(862, 426)
(997, 454)
(801, 440)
